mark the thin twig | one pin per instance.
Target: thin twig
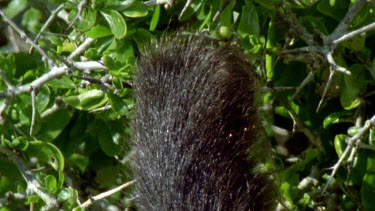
(187, 5)
(354, 33)
(47, 24)
(28, 39)
(81, 6)
(54, 73)
(217, 14)
(351, 142)
(34, 112)
(91, 200)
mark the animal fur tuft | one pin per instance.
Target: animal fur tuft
(195, 124)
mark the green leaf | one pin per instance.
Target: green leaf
(340, 144)
(143, 37)
(80, 161)
(116, 23)
(67, 47)
(291, 177)
(20, 143)
(64, 82)
(14, 7)
(69, 197)
(85, 21)
(333, 9)
(155, 18)
(99, 31)
(32, 199)
(352, 86)
(117, 103)
(352, 131)
(53, 124)
(9, 170)
(136, 10)
(87, 100)
(46, 152)
(270, 43)
(51, 184)
(338, 117)
(368, 186)
(104, 175)
(109, 137)
(249, 21)
(31, 20)
(43, 98)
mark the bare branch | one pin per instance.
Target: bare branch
(54, 73)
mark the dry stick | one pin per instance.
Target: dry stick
(24, 36)
(91, 200)
(32, 182)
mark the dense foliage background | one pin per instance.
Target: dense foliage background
(66, 100)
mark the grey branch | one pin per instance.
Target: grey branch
(54, 73)
(85, 45)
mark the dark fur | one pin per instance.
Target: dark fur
(194, 127)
